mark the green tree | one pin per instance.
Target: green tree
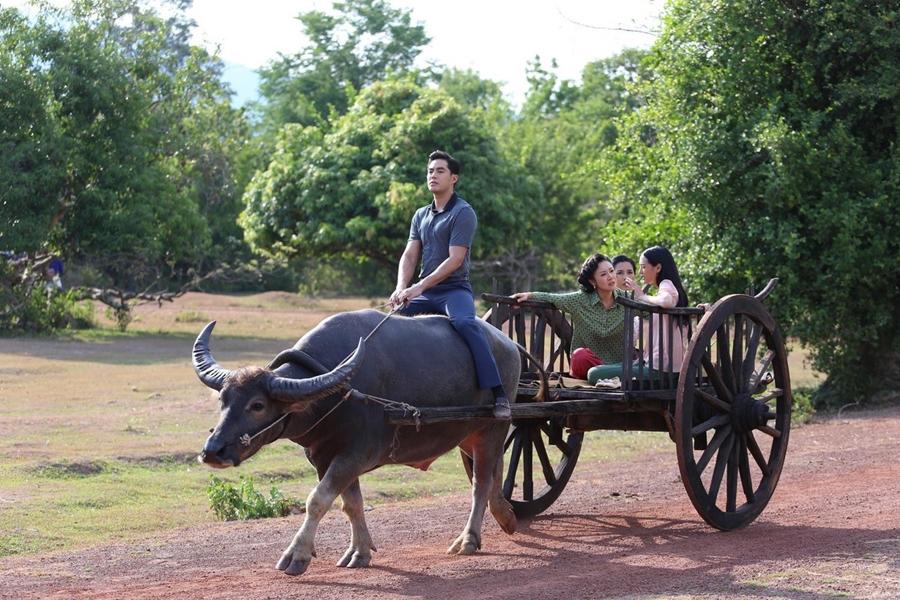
(351, 189)
(359, 44)
(771, 137)
(559, 138)
(119, 139)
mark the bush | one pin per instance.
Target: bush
(242, 502)
(803, 409)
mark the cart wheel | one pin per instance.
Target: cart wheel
(734, 386)
(556, 452)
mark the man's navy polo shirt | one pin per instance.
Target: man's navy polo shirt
(453, 226)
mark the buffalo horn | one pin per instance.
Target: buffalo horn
(208, 370)
(320, 386)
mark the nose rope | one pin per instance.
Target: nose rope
(246, 439)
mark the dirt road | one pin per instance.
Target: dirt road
(620, 530)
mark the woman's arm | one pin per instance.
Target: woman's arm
(563, 301)
(666, 297)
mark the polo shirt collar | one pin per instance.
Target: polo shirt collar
(447, 207)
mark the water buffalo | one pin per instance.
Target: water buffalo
(421, 361)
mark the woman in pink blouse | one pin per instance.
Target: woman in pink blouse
(658, 270)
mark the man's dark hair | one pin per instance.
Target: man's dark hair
(452, 163)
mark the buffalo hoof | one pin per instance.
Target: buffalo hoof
(353, 559)
(503, 513)
(466, 544)
(292, 566)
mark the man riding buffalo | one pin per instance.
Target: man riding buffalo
(324, 395)
(441, 233)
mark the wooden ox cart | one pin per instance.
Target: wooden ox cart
(727, 408)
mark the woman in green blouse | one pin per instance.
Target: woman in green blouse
(598, 323)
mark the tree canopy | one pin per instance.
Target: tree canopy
(118, 135)
(350, 189)
(768, 147)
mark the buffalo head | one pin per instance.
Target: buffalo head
(254, 403)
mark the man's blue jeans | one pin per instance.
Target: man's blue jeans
(456, 301)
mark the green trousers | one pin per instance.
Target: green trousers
(611, 370)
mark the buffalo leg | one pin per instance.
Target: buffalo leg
(296, 558)
(500, 507)
(485, 452)
(359, 554)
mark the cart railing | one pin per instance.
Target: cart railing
(546, 333)
(541, 328)
(654, 343)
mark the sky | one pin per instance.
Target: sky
(495, 38)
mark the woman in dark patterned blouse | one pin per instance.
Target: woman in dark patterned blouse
(598, 323)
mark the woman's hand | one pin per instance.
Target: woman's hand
(632, 286)
(521, 296)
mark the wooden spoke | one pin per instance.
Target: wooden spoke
(775, 393)
(763, 366)
(710, 423)
(737, 353)
(720, 436)
(713, 401)
(716, 379)
(527, 473)
(549, 475)
(513, 434)
(719, 470)
(731, 485)
(750, 355)
(726, 374)
(510, 480)
(746, 478)
(770, 431)
(757, 453)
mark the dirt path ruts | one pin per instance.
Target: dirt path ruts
(832, 529)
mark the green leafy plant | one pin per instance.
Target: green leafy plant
(243, 501)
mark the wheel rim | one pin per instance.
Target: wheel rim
(733, 412)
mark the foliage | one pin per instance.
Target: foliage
(803, 406)
(118, 136)
(350, 191)
(27, 306)
(358, 45)
(768, 146)
(559, 138)
(244, 501)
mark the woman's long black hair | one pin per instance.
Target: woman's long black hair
(587, 272)
(657, 255)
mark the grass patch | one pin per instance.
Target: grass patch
(191, 316)
(68, 470)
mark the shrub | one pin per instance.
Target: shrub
(803, 409)
(244, 501)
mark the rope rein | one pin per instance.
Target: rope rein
(246, 439)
